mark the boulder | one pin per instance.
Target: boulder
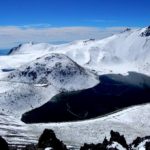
(49, 139)
(3, 144)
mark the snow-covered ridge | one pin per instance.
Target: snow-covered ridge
(57, 70)
(29, 47)
(36, 80)
(146, 32)
(123, 52)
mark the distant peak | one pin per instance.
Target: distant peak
(126, 30)
(146, 32)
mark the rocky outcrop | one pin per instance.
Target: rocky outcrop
(146, 32)
(49, 139)
(116, 137)
(3, 144)
(116, 142)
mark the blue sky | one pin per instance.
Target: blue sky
(75, 12)
(66, 20)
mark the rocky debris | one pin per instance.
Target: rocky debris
(3, 144)
(49, 139)
(116, 141)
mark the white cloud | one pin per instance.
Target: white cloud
(11, 36)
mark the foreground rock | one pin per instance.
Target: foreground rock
(3, 144)
(48, 139)
(118, 142)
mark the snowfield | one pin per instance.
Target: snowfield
(120, 53)
(33, 73)
(126, 122)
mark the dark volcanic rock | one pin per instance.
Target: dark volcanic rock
(137, 141)
(147, 146)
(48, 139)
(116, 137)
(140, 140)
(30, 147)
(14, 49)
(93, 147)
(3, 144)
(146, 32)
(106, 145)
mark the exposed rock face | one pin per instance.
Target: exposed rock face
(48, 139)
(147, 146)
(115, 136)
(93, 147)
(116, 142)
(3, 144)
(146, 32)
(13, 50)
(141, 142)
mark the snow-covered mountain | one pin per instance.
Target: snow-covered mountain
(56, 69)
(123, 52)
(34, 84)
(35, 65)
(34, 73)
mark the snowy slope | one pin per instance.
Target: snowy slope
(39, 75)
(30, 48)
(126, 122)
(17, 98)
(15, 131)
(127, 51)
(35, 83)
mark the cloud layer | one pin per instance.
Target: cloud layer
(11, 36)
